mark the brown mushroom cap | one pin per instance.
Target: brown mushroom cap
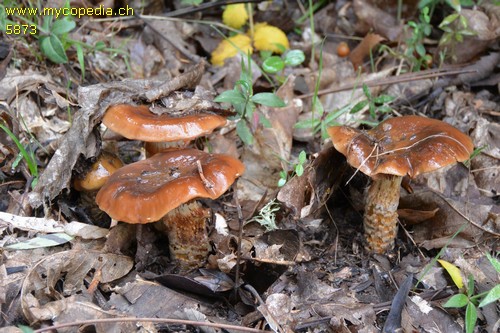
(145, 191)
(408, 145)
(138, 123)
(99, 172)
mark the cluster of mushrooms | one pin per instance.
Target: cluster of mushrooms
(163, 187)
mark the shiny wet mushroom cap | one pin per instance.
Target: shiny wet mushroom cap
(99, 172)
(138, 123)
(147, 190)
(408, 145)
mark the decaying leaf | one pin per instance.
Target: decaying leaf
(39, 295)
(370, 16)
(476, 220)
(419, 314)
(364, 49)
(305, 194)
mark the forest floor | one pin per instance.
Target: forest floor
(281, 245)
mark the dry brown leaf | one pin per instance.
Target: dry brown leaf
(418, 313)
(371, 17)
(39, 296)
(414, 216)
(475, 219)
(364, 49)
(142, 298)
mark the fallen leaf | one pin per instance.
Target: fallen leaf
(364, 49)
(69, 268)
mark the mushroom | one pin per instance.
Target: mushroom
(408, 145)
(163, 187)
(138, 123)
(98, 173)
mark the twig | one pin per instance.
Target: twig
(407, 77)
(238, 250)
(153, 320)
(207, 5)
(207, 183)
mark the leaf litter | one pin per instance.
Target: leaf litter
(310, 274)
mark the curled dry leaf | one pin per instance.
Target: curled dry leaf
(69, 268)
(305, 194)
(364, 49)
(480, 220)
(371, 17)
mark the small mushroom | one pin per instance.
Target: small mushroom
(408, 145)
(98, 173)
(138, 123)
(162, 187)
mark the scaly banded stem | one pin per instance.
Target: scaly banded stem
(381, 217)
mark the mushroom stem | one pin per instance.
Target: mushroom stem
(381, 217)
(187, 234)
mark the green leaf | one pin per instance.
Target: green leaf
(427, 30)
(245, 86)
(268, 99)
(81, 58)
(470, 318)
(61, 27)
(294, 58)
(454, 272)
(463, 21)
(470, 285)
(445, 39)
(264, 121)
(53, 49)
(299, 170)
(492, 296)
(382, 99)
(100, 45)
(25, 329)
(420, 49)
(244, 132)
(449, 19)
(47, 240)
(317, 106)
(281, 182)
(359, 106)
(231, 96)
(455, 4)
(302, 157)
(457, 301)
(367, 91)
(273, 64)
(494, 261)
(308, 123)
(281, 47)
(331, 116)
(384, 109)
(265, 54)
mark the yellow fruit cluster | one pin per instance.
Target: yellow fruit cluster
(265, 37)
